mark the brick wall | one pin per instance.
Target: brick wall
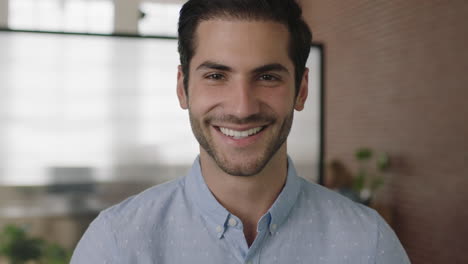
(397, 80)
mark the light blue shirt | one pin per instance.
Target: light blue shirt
(181, 222)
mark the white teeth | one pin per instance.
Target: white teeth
(240, 134)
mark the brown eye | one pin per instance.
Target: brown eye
(215, 76)
(268, 77)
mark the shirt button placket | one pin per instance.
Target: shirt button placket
(253, 259)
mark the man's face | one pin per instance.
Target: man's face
(241, 94)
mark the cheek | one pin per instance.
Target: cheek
(281, 100)
(203, 100)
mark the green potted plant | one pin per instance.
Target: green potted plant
(369, 177)
(19, 248)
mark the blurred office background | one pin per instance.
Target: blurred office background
(395, 80)
(90, 117)
(89, 113)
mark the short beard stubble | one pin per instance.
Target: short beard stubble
(206, 142)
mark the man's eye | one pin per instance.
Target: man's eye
(268, 77)
(215, 76)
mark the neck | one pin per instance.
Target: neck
(247, 197)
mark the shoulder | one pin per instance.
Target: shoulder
(330, 201)
(349, 223)
(147, 204)
(336, 212)
(129, 224)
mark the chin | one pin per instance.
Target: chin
(246, 166)
(242, 170)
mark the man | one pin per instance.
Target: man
(242, 75)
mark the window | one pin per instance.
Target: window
(160, 19)
(84, 16)
(104, 104)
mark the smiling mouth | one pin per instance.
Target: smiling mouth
(240, 134)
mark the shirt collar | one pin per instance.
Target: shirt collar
(285, 201)
(217, 216)
(199, 193)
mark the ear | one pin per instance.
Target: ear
(183, 100)
(303, 91)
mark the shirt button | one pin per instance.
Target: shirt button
(232, 222)
(219, 229)
(274, 226)
(249, 262)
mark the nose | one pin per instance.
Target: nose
(243, 100)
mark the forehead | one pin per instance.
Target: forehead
(241, 43)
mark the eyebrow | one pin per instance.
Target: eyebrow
(264, 68)
(214, 66)
(271, 67)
